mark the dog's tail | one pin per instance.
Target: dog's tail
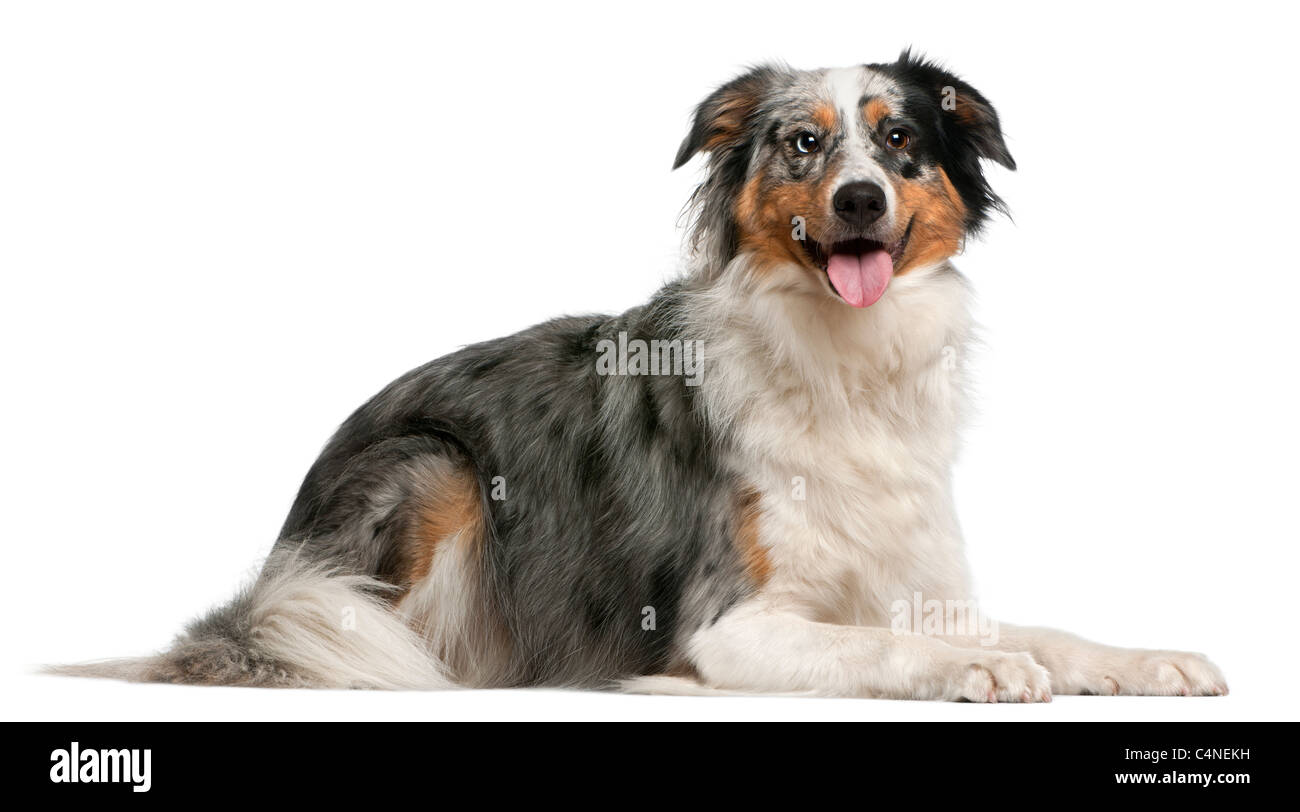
(299, 625)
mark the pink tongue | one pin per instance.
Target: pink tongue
(861, 280)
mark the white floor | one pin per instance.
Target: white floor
(38, 697)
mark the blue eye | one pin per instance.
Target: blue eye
(806, 143)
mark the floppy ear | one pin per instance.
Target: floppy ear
(966, 113)
(970, 112)
(722, 121)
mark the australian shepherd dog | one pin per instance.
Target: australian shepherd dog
(742, 485)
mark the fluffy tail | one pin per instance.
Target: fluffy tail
(299, 625)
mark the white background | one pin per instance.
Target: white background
(225, 225)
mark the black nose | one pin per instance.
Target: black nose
(859, 203)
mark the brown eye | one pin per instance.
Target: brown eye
(898, 139)
(806, 143)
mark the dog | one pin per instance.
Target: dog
(741, 486)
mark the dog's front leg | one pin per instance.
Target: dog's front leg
(1081, 666)
(762, 647)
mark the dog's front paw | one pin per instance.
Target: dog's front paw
(997, 676)
(1135, 672)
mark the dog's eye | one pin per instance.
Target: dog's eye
(806, 143)
(898, 139)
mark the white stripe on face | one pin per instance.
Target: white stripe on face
(847, 87)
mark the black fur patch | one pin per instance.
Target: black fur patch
(957, 139)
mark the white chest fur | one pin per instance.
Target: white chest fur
(845, 422)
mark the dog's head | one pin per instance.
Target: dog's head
(851, 176)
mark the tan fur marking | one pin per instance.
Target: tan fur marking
(825, 117)
(753, 554)
(451, 508)
(938, 219)
(763, 216)
(876, 110)
(446, 603)
(729, 119)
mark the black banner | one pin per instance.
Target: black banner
(212, 762)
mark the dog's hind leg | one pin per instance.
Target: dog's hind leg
(448, 599)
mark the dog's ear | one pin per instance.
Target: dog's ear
(723, 120)
(966, 113)
(977, 119)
